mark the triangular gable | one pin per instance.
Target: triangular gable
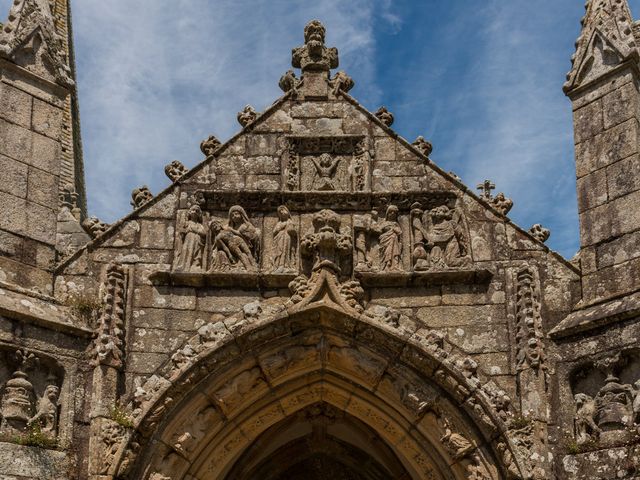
(606, 40)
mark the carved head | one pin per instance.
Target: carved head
(326, 221)
(215, 226)
(314, 31)
(392, 213)
(52, 392)
(283, 213)
(441, 213)
(237, 216)
(195, 213)
(325, 160)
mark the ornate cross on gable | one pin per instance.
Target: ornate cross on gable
(486, 188)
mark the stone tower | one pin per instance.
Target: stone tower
(316, 298)
(42, 193)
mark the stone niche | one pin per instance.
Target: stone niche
(606, 395)
(264, 239)
(30, 386)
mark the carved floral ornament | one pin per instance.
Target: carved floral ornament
(489, 406)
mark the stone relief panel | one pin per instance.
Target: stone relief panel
(29, 397)
(325, 164)
(282, 243)
(606, 396)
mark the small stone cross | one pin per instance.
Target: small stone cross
(486, 188)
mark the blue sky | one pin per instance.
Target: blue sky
(482, 80)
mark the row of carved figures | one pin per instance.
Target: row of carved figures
(438, 237)
(21, 408)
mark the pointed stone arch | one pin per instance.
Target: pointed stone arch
(227, 387)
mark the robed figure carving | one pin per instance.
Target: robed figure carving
(390, 241)
(191, 241)
(285, 237)
(235, 245)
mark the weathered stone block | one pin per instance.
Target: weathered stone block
(623, 177)
(10, 244)
(621, 105)
(14, 177)
(224, 301)
(588, 121)
(385, 149)
(145, 363)
(592, 190)
(46, 153)
(612, 281)
(47, 119)
(618, 251)
(151, 340)
(477, 338)
(615, 218)
(262, 144)
(607, 148)
(40, 223)
(317, 126)
(179, 298)
(15, 105)
(43, 188)
(156, 234)
(15, 142)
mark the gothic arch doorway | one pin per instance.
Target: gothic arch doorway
(322, 391)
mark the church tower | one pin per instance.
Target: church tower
(42, 193)
(603, 86)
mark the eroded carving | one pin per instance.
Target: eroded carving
(234, 392)
(502, 203)
(424, 147)
(247, 116)
(191, 238)
(529, 336)
(285, 242)
(486, 188)
(235, 245)
(108, 346)
(341, 82)
(210, 145)
(175, 170)
(585, 425)
(325, 173)
(385, 116)
(439, 238)
(378, 243)
(327, 244)
(313, 56)
(289, 83)
(112, 436)
(94, 227)
(140, 196)
(540, 233)
(457, 445)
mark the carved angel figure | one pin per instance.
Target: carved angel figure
(586, 428)
(236, 244)
(325, 172)
(191, 240)
(47, 414)
(390, 241)
(284, 241)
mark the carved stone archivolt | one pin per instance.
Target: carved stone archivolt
(29, 396)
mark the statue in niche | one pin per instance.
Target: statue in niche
(439, 239)
(18, 396)
(191, 241)
(284, 242)
(235, 245)
(390, 241)
(586, 428)
(366, 232)
(47, 414)
(325, 172)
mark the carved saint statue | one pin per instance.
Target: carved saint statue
(235, 245)
(284, 242)
(191, 240)
(325, 172)
(365, 228)
(47, 413)
(390, 241)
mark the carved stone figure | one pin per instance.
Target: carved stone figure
(175, 170)
(190, 241)
(439, 240)
(326, 167)
(285, 236)
(289, 83)
(327, 244)
(366, 232)
(361, 159)
(69, 199)
(210, 145)
(502, 203)
(341, 82)
(540, 233)
(235, 245)
(390, 240)
(313, 56)
(18, 396)
(586, 428)
(94, 227)
(140, 196)
(112, 435)
(247, 115)
(47, 413)
(385, 116)
(458, 446)
(424, 147)
(614, 403)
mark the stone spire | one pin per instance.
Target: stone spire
(29, 39)
(606, 40)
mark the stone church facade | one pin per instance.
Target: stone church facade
(316, 298)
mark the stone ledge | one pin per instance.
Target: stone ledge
(32, 462)
(598, 316)
(244, 280)
(432, 277)
(35, 310)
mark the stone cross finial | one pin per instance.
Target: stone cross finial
(314, 56)
(486, 188)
